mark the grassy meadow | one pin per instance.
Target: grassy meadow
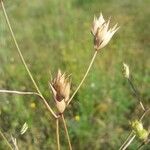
(55, 34)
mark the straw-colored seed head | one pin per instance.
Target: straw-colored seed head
(61, 90)
(102, 35)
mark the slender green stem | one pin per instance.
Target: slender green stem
(84, 77)
(66, 130)
(136, 93)
(5, 139)
(23, 61)
(57, 134)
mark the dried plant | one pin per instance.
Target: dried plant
(61, 85)
(102, 35)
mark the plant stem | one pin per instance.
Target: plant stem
(84, 77)
(57, 133)
(136, 93)
(141, 118)
(19, 92)
(14, 140)
(23, 61)
(140, 147)
(143, 144)
(128, 137)
(66, 130)
(145, 113)
(5, 139)
(129, 142)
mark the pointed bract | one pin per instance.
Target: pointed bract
(60, 87)
(102, 35)
(61, 106)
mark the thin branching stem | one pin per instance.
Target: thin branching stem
(19, 92)
(131, 137)
(57, 134)
(66, 130)
(5, 139)
(23, 61)
(136, 93)
(84, 77)
(144, 114)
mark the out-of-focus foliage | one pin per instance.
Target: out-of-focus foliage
(55, 34)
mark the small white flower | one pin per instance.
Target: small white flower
(101, 33)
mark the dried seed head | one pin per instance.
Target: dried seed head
(101, 33)
(97, 22)
(126, 71)
(61, 90)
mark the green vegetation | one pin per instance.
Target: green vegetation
(55, 34)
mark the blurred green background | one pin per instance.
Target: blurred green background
(55, 34)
